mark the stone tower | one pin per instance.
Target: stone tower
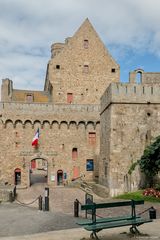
(81, 68)
(129, 122)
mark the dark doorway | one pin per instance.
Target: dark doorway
(17, 175)
(59, 177)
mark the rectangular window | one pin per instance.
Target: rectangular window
(92, 138)
(89, 165)
(86, 43)
(57, 66)
(69, 97)
(29, 97)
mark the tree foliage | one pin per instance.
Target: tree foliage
(150, 161)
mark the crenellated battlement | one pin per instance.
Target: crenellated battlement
(130, 93)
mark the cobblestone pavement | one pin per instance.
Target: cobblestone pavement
(19, 220)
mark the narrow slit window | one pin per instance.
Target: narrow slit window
(85, 68)
(151, 90)
(143, 90)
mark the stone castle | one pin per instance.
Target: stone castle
(91, 125)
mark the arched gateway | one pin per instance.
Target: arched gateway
(38, 171)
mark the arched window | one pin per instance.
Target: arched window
(74, 153)
(139, 77)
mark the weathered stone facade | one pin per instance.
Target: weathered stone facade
(74, 128)
(130, 120)
(66, 112)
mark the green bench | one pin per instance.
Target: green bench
(97, 224)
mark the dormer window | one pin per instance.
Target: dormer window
(86, 43)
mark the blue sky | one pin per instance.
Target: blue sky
(129, 29)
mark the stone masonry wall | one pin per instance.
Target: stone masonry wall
(139, 76)
(84, 72)
(66, 112)
(61, 130)
(134, 124)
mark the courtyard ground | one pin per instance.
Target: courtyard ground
(27, 222)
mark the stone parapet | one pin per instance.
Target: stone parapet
(48, 108)
(130, 93)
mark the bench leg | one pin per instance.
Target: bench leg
(134, 230)
(94, 235)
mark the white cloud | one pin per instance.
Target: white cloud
(28, 28)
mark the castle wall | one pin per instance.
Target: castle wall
(61, 129)
(134, 112)
(139, 76)
(66, 112)
(130, 93)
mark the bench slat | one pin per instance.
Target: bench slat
(100, 226)
(104, 220)
(111, 204)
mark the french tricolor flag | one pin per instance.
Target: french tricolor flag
(36, 138)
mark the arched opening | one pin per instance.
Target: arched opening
(17, 176)
(38, 171)
(59, 177)
(139, 77)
